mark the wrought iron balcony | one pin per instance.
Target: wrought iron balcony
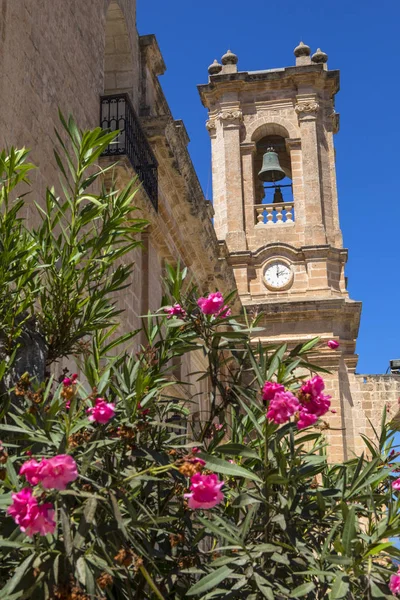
(117, 113)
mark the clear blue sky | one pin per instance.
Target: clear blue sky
(361, 39)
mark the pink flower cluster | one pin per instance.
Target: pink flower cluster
(394, 583)
(310, 403)
(396, 485)
(175, 311)
(31, 516)
(52, 473)
(205, 491)
(70, 380)
(282, 406)
(213, 304)
(102, 411)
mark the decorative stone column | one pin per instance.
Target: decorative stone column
(293, 147)
(231, 119)
(307, 109)
(248, 151)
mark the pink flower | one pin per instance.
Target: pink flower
(396, 485)
(224, 312)
(197, 461)
(143, 411)
(102, 412)
(31, 471)
(312, 398)
(212, 304)
(394, 584)
(54, 472)
(313, 386)
(270, 389)
(175, 311)
(31, 516)
(333, 344)
(306, 419)
(282, 406)
(41, 520)
(58, 471)
(205, 491)
(70, 380)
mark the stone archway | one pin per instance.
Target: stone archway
(119, 71)
(270, 125)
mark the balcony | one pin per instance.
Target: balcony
(117, 113)
(273, 214)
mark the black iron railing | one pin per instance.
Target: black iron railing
(117, 113)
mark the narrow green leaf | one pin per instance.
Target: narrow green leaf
(302, 590)
(209, 581)
(225, 468)
(340, 587)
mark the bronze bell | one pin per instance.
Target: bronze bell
(271, 170)
(278, 197)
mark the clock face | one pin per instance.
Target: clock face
(278, 275)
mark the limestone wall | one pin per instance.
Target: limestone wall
(65, 55)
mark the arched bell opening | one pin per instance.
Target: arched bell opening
(273, 180)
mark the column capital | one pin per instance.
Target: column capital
(231, 117)
(306, 108)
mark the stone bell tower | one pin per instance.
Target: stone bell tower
(276, 207)
(284, 241)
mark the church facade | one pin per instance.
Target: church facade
(275, 237)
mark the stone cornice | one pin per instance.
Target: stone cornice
(152, 53)
(303, 253)
(287, 78)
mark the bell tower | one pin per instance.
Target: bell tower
(275, 197)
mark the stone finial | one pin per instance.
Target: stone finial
(229, 58)
(214, 68)
(319, 57)
(302, 50)
(302, 53)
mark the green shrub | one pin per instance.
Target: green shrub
(285, 524)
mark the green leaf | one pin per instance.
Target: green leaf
(16, 578)
(209, 581)
(225, 468)
(86, 521)
(376, 549)
(340, 587)
(302, 590)
(238, 450)
(349, 531)
(220, 532)
(264, 586)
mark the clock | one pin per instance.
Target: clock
(278, 275)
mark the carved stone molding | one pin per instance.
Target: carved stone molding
(211, 126)
(227, 116)
(306, 109)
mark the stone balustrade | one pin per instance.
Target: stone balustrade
(267, 214)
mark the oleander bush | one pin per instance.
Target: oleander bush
(108, 487)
